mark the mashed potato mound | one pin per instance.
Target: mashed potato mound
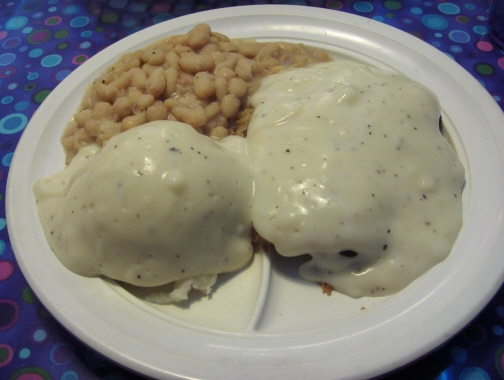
(158, 204)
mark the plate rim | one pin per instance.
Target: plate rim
(187, 21)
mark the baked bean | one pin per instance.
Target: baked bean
(82, 116)
(71, 128)
(131, 60)
(204, 85)
(230, 62)
(253, 86)
(268, 62)
(221, 87)
(157, 111)
(156, 82)
(188, 100)
(133, 63)
(270, 50)
(154, 56)
(212, 110)
(209, 49)
(194, 116)
(108, 129)
(238, 87)
(218, 57)
(88, 100)
(257, 69)
(193, 63)
(170, 103)
(218, 132)
(181, 49)
(319, 55)
(249, 49)
(244, 69)
(82, 138)
(300, 60)
(225, 72)
(172, 60)
(123, 107)
(134, 94)
(138, 78)
(122, 81)
(182, 40)
(285, 46)
(167, 47)
(112, 74)
(148, 69)
(171, 77)
(202, 28)
(91, 127)
(144, 101)
(220, 37)
(197, 38)
(105, 92)
(230, 105)
(219, 120)
(133, 121)
(228, 47)
(284, 58)
(103, 110)
(68, 146)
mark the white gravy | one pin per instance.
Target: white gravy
(350, 167)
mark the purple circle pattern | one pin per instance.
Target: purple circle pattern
(42, 42)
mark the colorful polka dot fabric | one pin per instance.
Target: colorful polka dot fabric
(43, 41)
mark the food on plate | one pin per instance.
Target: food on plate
(350, 167)
(158, 204)
(186, 154)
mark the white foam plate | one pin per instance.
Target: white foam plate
(264, 322)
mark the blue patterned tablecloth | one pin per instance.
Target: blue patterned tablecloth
(41, 42)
